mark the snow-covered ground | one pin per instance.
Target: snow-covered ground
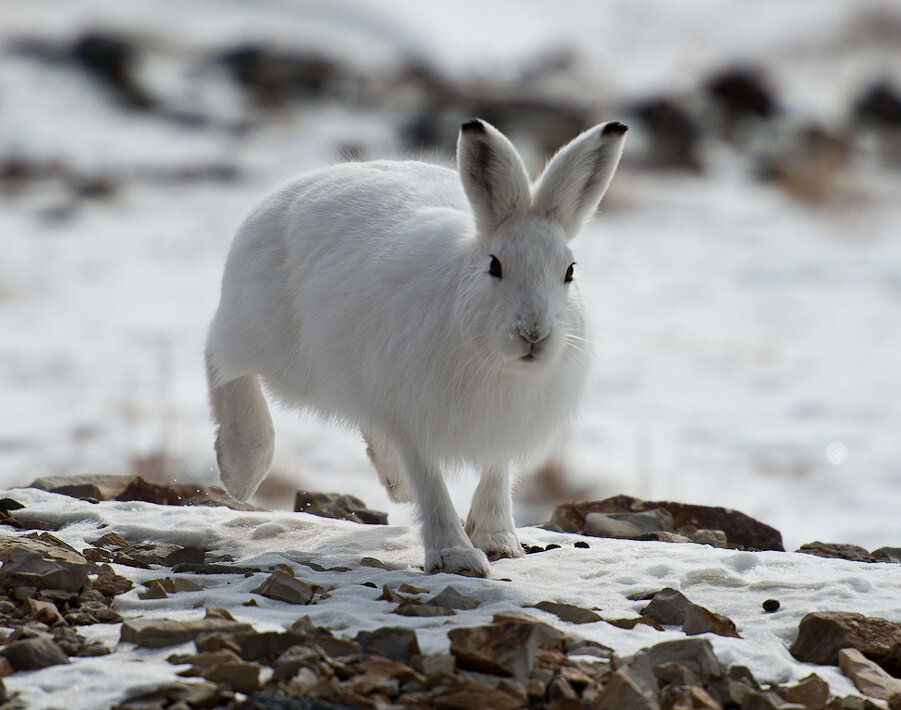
(748, 344)
(728, 582)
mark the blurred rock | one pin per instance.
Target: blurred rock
(33, 654)
(839, 550)
(506, 648)
(397, 643)
(450, 598)
(41, 561)
(742, 93)
(674, 136)
(742, 531)
(159, 633)
(337, 505)
(568, 612)
(699, 620)
(822, 634)
(111, 58)
(887, 554)
(880, 105)
(476, 695)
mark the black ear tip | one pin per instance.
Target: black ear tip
(473, 125)
(614, 127)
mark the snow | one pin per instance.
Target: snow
(729, 582)
(747, 343)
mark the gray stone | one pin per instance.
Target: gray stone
(43, 562)
(450, 598)
(822, 634)
(668, 607)
(887, 554)
(867, 675)
(696, 654)
(855, 553)
(628, 525)
(396, 643)
(339, 506)
(34, 653)
(283, 586)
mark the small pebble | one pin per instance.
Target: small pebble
(582, 544)
(370, 584)
(771, 605)
(552, 546)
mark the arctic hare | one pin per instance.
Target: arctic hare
(434, 309)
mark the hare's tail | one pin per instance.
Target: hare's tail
(245, 439)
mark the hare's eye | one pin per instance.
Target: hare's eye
(495, 268)
(569, 274)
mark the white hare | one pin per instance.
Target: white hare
(433, 309)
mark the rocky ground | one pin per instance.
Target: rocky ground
(53, 594)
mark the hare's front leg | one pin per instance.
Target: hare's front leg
(490, 523)
(447, 549)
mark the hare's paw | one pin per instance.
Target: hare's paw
(497, 543)
(468, 561)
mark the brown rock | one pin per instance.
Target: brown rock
(33, 653)
(632, 623)
(97, 487)
(692, 697)
(338, 506)
(110, 540)
(242, 677)
(477, 696)
(699, 620)
(450, 598)
(283, 586)
(887, 554)
(154, 590)
(159, 633)
(628, 525)
(414, 607)
(742, 531)
(41, 561)
(822, 634)
(45, 612)
(855, 553)
(620, 692)
(396, 643)
(867, 676)
(812, 692)
(505, 648)
(568, 612)
(109, 583)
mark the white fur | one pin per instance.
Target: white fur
(362, 291)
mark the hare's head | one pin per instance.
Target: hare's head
(522, 294)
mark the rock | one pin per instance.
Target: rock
(692, 697)
(671, 673)
(415, 607)
(699, 620)
(154, 590)
(450, 598)
(695, 654)
(742, 531)
(86, 486)
(213, 568)
(45, 612)
(476, 695)
(868, 677)
(283, 586)
(568, 612)
(410, 589)
(396, 643)
(435, 664)
(714, 538)
(110, 59)
(110, 540)
(632, 623)
(771, 605)
(628, 525)
(340, 506)
(887, 554)
(880, 104)
(620, 692)
(33, 653)
(668, 606)
(159, 633)
(822, 634)
(674, 133)
(742, 93)
(109, 583)
(242, 677)
(377, 564)
(41, 561)
(195, 695)
(812, 692)
(834, 549)
(506, 648)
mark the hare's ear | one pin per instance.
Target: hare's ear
(576, 178)
(493, 176)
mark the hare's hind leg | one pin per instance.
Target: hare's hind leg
(490, 523)
(389, 467)
(245, 439)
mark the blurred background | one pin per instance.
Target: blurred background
(743, 278)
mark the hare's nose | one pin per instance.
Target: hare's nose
(532, 333)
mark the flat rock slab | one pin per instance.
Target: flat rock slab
(568, 612)
(867, 676)
(341, 506)
(741, 530)
(395, 642)
(822, 634)
(159, 633)
(855, 553)
(43, 562)
(506, 648)
(628, 525)
(283, 586)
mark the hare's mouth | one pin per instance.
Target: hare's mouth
(528, 357)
